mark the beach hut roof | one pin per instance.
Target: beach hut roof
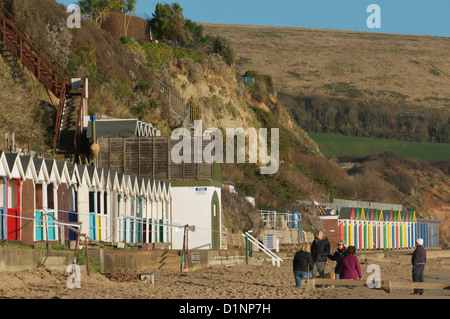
(4, 170)
(149, 188)
(41, 169)
(28, 167)
(73, 173)
(14, 165)
(94, 177)
(53, 176)
(63, 172)
(84, 175)
(119, 127)
(142, 186)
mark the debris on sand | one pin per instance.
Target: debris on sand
(123, 275)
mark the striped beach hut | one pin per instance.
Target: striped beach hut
(377, 229)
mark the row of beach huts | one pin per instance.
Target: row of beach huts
(39, 198)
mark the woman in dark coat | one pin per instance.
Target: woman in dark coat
(302, 264)
(338, 255)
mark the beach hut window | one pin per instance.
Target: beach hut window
(91, 202)
(38, 195)
(2, 189)
(12, 193)
(50, 197)
(105, 203)
(99, 204)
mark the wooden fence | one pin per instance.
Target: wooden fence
(150, 157)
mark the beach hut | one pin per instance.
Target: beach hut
(73, 182)
(122, 208)
(4, 175)
(28, 199)
(64, 195)
(148, 215)
(115, 206)
(106, 205)
(95, 188)
(43, 230)
(141, 208)
(52, 198)
(428, 230)
(13, 189)
(197, 203)
(83, 200)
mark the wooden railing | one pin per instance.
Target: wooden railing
(41, 63)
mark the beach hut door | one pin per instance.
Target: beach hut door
(215, 222)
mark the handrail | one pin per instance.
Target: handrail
(34, 49)
(24, 31)
(59, 116)
(275, 259)
(80, 114)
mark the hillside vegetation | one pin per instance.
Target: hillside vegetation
(352, 83)
(205, 69)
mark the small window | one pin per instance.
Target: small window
(50, 197)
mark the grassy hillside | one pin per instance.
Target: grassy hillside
(352, 83)
(413, 70)
(336, 146)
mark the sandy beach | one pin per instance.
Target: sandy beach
(257, 281)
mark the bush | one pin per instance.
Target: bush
(239, 215)
(402, 181)
(221, 46)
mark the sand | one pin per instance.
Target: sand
(257, 281)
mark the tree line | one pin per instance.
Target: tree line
(320, 114)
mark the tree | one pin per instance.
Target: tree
(126, 7)
(95, 9)
(168, 22)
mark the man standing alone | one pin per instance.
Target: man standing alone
(320, 248)
(418, 261)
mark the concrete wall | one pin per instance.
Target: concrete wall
(151, 260)
(18, 259)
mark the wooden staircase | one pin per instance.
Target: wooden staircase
(41, 63)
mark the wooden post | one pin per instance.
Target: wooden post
(187, 246)
(87, 255)
(102, 260)
(183, 250)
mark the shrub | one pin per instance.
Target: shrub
(402, 181)
(239, 215)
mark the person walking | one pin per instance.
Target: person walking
(350, 268)
(302, 264)
(320, 249)
(338, 255)
(418, 260)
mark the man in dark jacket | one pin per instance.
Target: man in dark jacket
(320, 249)
(418, 261)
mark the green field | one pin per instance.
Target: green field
(335, 146)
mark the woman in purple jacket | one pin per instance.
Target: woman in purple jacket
(350, 268)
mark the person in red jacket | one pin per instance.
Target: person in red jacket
(350, 268)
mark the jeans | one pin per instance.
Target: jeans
(299, 275)
(417, 276)
(336, 276)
